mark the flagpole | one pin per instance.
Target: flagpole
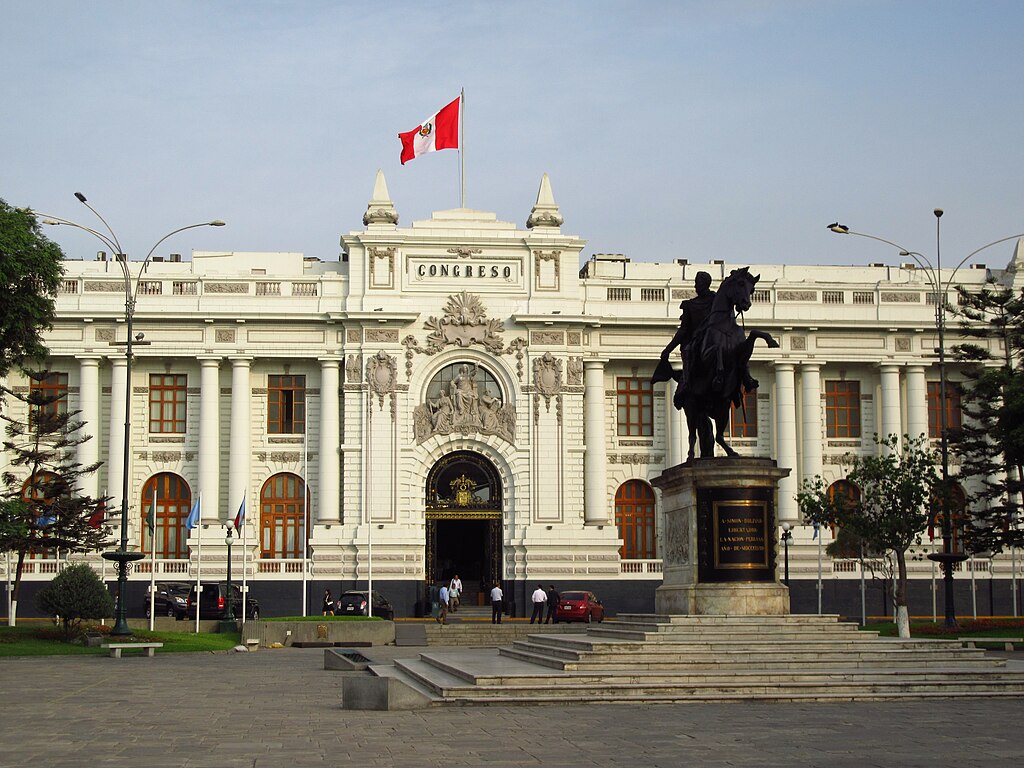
(199, 560)
(245, 586)
(152, 561)
(821, 586)
(462, 148)
(305, 516)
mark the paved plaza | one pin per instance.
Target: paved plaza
(280, 708)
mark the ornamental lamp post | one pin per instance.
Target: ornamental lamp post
(933, 273)
(122, 556)
(228, 623)
(787, 537)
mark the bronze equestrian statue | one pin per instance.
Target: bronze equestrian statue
(716, 355)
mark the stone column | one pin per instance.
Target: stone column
(241, 438)
(785, 443)
(115, 442)
(675, 430)
(595, 464)
(209, 440)
(810, 423)
(89, 403)
(917, 401)
(890, 421)
(329, 480)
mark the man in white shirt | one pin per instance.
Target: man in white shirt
(454, 593)
(540, 599)
(496, 598)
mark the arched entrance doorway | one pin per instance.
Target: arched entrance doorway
(463, 522)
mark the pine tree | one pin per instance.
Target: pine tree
(990, 442)
(42, 506)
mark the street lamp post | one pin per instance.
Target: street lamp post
(122, 556)
(933, 273)
(228, 624)
(787, 537)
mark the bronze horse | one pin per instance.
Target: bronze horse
(719, 357)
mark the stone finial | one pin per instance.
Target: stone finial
(380, 209)
(545, 213)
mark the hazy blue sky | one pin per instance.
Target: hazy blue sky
(734, 129)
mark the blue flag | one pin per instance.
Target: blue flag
(240, 517)
(193, 517)
(816, 527)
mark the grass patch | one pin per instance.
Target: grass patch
(967, 628)
(49, 641)
(323, 618)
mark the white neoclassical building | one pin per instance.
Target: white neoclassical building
(459, 395)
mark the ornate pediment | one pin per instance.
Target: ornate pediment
(463, 324)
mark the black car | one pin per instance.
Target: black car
(171, 599)
(214, 603)
(353, 603)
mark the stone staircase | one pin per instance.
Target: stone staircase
(480, 633)
(648, 658)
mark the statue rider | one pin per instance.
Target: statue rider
(688, 337)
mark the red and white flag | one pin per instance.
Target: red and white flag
(439, 131)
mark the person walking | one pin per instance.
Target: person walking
(497, 596)
(328, 603)
(552, 605)
(442, 605)
(540, 598)
(455, 593)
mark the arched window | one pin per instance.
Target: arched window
(282, 513)
(634, 516)
(845, 493)
(173, 502)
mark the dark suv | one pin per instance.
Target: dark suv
(171, 599)
(353, 603)
(215, 603)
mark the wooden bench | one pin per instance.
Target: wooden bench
(1006, 641)
(116, 648)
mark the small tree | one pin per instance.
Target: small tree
(891, 513)
(30, 271)
(76, 593)
(53, 514)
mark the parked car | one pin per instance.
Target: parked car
(214, 603)
(171, 599)
(579, 606)
(353, 603)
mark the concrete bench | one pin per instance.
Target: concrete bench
(252, 643)
(116, 648)
(1006, 641)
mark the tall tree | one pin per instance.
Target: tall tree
(990, 441)
(42, 507)
(891, 513)
(30, 272)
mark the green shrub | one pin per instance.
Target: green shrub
(76, 593)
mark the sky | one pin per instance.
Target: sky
(696, 129)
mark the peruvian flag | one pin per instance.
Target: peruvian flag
(439, 131)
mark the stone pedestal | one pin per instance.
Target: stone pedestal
(720, 542)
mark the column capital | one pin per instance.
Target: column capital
(811, 365)
(86, 359)
(330, 361)
(595, 362)
(208, 361)
(883, 364)
(783, 365)
(239, 360)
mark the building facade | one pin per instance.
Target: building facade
(459, 396)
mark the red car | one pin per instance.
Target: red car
(579, 606)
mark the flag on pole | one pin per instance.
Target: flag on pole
(240, 517)
(151, 519)
(97, 518)
(817, 526)
(193, 517)
(439, 131)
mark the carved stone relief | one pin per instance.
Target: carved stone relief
(462, 408)
(907, 297)
(225, 288)
(353, 335)
(796, 295)
(382, 375)
(573, 338)
(798, 342)
(902, 344)
(353, 366)
(556, 338)
(104, 334)
(547, 377)
(574, 370)
(465, 253)
(226, 335)
(381, 335)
